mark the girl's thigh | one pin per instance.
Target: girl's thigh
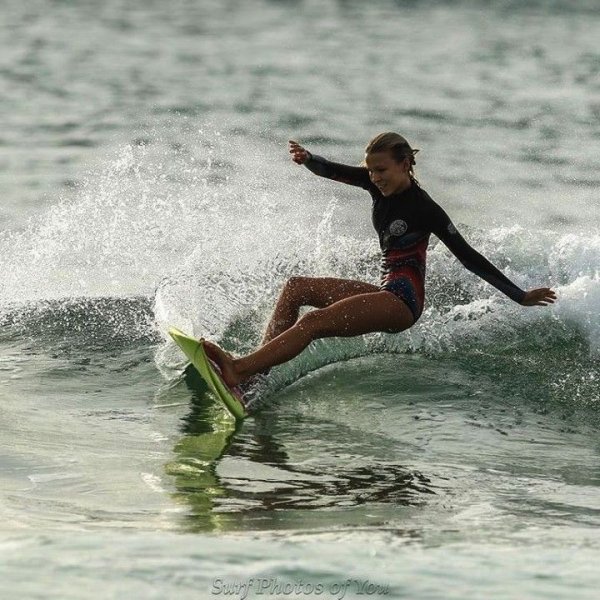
(360, 314)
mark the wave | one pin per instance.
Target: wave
(465, 319)
(81, 323)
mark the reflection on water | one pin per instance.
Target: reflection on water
(248, 480)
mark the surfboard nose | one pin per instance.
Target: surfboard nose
(188, 344)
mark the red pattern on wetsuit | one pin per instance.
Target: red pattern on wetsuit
(403, 274)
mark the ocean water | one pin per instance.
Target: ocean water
(146, 183)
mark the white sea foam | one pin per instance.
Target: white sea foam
(215, 227)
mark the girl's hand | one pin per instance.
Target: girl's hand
(299, 154)
(539, 297)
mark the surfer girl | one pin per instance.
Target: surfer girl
(404, 216)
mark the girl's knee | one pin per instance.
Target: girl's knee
(297, 289)
(315, 323)
(293, 284)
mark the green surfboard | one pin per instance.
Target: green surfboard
(194, 350)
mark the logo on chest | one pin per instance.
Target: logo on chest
(398, 227)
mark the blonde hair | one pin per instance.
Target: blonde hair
(396, 145)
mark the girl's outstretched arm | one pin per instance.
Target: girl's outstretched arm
(358, 176)
(481, 266)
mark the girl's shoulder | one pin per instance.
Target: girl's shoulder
(425, 201)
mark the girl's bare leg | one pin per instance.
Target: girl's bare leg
(356, 315)
(319, 292)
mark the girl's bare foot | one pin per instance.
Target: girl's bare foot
(213, 351)
(225, 362)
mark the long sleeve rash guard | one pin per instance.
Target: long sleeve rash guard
(404, 222)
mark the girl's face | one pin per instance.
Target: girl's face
(387, 174)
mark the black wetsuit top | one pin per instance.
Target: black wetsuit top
(404, 222)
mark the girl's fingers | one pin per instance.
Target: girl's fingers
(299, 154)
(295, 146)
(540, 297)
